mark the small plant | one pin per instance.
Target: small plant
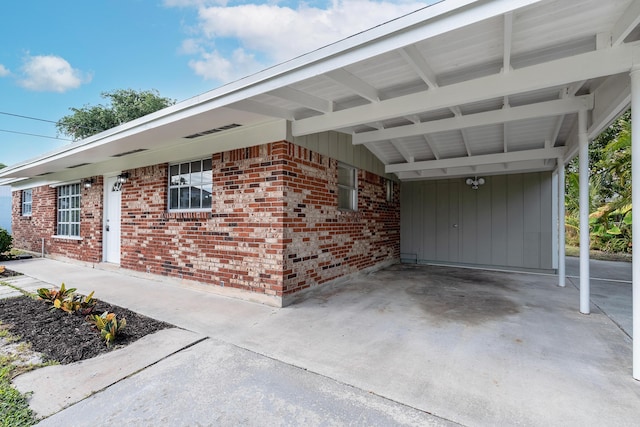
(51, 295)
(108, 325)
(87, 304)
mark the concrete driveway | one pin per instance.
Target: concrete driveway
(410, 345)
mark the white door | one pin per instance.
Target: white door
(112, 204)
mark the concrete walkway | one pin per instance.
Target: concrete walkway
(410, 345)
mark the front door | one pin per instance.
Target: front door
(112, 203)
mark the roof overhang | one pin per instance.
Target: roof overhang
(458, 88)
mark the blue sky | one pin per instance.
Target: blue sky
(65, 53)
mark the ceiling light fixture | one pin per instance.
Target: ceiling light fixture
(475, 182)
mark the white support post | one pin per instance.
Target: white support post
(584, 212)
(635, 197)
(561, 225)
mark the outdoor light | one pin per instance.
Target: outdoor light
(475, 182)
(122, 178)
(87, 183)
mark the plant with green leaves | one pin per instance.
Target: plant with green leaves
(51, 295)
(108, 325)
(6, 241)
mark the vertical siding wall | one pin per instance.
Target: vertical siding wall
(507, 222)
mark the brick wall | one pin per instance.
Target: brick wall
(28, 231)
(239, 244)
(275, 227)
(324, 243)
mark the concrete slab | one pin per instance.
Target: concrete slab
(611, 289)
(53, 388)
(470, 346)
(213, 383)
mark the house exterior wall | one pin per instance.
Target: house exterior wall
(323, 242)
(507, 222)
(28, 231)
(274, 229)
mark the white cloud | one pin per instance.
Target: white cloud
(277, 33)
(49, 73)
(213, 66)
(4, 71)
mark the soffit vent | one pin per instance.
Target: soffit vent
(126, 153)
(78, 165)
(214, 130)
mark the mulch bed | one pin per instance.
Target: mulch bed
(65, 337)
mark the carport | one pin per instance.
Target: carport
(474, 105)
(469, 96)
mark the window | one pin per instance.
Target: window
(27, 197)
(190, 185)
(69, 210)
(389, 187)
(347, 187)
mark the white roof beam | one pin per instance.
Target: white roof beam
(554, 73)
(412, 55)
(485, 159)
(376, 151)
(629, 20)
(354, 84)
(498, 169)
(432, 147)
(505, 136)
(403, 151)
(303, 98)
(465, 140)
(507, 36)
(541, 109)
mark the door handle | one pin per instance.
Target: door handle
(107, 228)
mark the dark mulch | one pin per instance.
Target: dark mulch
(65, 337)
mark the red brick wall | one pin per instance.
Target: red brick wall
(275, 227)
(324, 243)
(238, 244)
(28, 231)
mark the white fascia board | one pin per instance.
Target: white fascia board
(485, 159)
(503, 115)
(559, 72)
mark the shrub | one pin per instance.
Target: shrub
(6, 241)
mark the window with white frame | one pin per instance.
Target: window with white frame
(347, 187)
(27, 199)
(190, 185)
(68, 210)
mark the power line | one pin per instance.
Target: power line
(28, 117)
(34, 134)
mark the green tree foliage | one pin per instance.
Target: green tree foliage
(124, 105)
(610, 208)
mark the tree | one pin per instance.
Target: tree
(124, 105)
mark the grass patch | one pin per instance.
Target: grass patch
(599, 255)
(14, 409)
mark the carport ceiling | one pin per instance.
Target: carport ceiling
(459, 88)
(489, 87)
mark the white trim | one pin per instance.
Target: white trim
(58, 236)
(60, 184)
